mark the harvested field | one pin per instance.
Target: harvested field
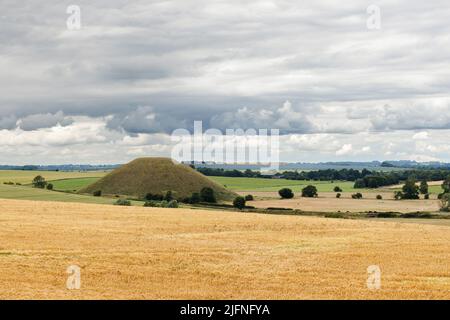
(154, 253)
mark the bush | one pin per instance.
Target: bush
(172, 204)
(97, 193)
(286, 193)
(398, 195)
(337, 189)
(151, 203)
(445, 202)
(239, 202)
(338, 195)
(50, 186)
(168, 197)
(207, 195)
(426, 196)
(156, 197)
(8, 183)
(309, 191)
(379, 197)
(410, 190)
(357, 195)
(249, 197)
(39, 182)
(122, 202)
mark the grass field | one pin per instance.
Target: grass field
(154, 253)
(74, 184)
(258, 184)
(25, 177)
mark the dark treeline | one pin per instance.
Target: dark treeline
(363, 179)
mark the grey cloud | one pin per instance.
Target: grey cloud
(39, 121)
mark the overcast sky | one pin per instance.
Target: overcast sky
(137, 70)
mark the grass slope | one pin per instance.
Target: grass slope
(156, 175)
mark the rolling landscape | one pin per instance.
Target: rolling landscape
(213, 152)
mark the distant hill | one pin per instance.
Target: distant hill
(157, 176)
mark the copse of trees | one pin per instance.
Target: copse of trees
(39, 182)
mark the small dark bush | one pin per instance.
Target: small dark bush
(151, 203)
(239, 202)
(357, 195)
(338, 195)
(50, 186)
(207, 195)
(337, 189)
(169, 196)
(309, 191)
(97, 193)
(172, 204)
(249, 197)
(286, 193)
(156, 197)
(379, 197)
(122, 202)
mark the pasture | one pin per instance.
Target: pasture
(25, 177)
(154, 253)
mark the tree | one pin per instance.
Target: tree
(359, 184)
(249, 197)
(286, 193)
(445, 202)
(97, 193)
(337, 189)
(410, 190)
(207, 195)
(379, 197)
(239, 202)
(195, 198)
(168, 197)
(39, 182)
(423, 187)
(309, 191)
(338, 195)
(357, 195)
(50, 186)
(446, 185)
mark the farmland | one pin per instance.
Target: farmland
(154, 253)
(25, 177)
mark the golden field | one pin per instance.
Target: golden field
(155, 253)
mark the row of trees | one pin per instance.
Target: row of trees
(308, 191)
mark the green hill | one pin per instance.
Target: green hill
(156, 176)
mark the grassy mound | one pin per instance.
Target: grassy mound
(156, 176)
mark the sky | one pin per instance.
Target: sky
(339, 81)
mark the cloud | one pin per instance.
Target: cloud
(346, 149)
(48, 120)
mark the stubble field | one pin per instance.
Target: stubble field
(154, 253)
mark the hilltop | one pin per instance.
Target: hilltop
(156, 176)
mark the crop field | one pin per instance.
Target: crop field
(259, 184)
(154, 253)
(25, 177)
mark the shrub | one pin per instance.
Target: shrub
(337, 189)
(398, 195)
(8, 183)
(156, 197)
(151, 203)
(379, 197)
(338, 195)
(249, 197)
(309, 191)
(427, 196)
(172, 204)
(97, 193)
(122, 202)
(410, 190)
(39, 182)
(445, 202)
(195, 198)
(357, 195)
(168, 197)
(50, 186)
(286, 193)
(239, 202)
(207, 195)
(164, 204)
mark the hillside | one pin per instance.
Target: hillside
(156, 175)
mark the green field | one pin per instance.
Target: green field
(29, 193)
(25, 177)
(259, 184)
(72, 185)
